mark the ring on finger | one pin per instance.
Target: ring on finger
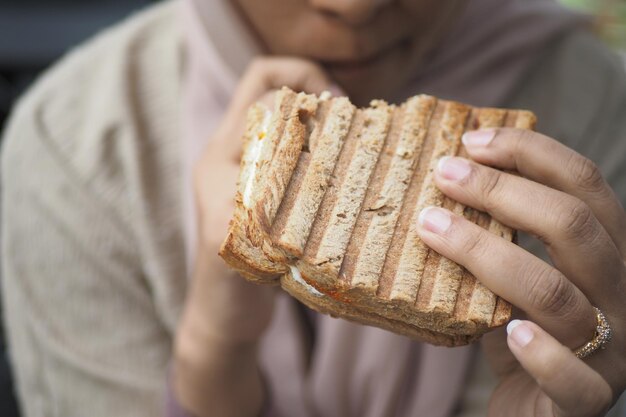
(600, 339)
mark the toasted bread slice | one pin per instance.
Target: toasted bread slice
(272, 144)
(335, 196)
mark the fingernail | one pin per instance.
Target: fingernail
(454, 169)
(478, 137)
(435, 219)
(336, 91)
(519, 332)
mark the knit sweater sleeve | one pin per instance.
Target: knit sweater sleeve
(92, 279)
(69, 284)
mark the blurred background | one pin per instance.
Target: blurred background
(610, 19)
(35, 33)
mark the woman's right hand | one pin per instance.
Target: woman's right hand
(224, 315)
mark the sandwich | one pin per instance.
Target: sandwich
(327, 204)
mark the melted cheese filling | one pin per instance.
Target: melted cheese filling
(254, 155)
(297, 276)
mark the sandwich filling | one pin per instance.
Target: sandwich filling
(297, 276)
(254, 155)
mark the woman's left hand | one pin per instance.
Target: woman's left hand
(562, 199)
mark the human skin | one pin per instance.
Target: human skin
(561, 198)
(215, 362)
(370, 47)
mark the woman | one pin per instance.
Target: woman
(99, 234)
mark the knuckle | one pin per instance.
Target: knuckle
(520, 139)
(550, 292)
(476, 246)
(491, 188)
(585, 173)
(576, 221)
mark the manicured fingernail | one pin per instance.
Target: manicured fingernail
(478, 137)
(454, 169)
(435, 219)
(519, 332)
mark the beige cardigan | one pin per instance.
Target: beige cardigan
(93, 266)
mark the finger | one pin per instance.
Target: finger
(574, 387)
(261, 79)
(514, 274)
(266, 74)
(578, 244)
(549, 162)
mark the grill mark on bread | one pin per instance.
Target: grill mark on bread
(285, 158)
(506, 119)
(477, 305)
(468, 280)
(480, 303)
(446, 137)
(377, 221)
(439, 284)
(523, 120)
(347, 198)
(321, 221)
(287, 100)
(316, 124)
(393, 257)
(284, 104)
(286, 208)
(442, 295)
(330, 133)
(468, 283)
(355, 246)
(314, 128)
(501, 308)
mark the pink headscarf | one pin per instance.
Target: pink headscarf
(484, 57)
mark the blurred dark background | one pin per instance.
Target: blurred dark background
(34, 34)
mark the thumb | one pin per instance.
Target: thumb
(575, 388)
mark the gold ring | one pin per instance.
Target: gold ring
(601, 338)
